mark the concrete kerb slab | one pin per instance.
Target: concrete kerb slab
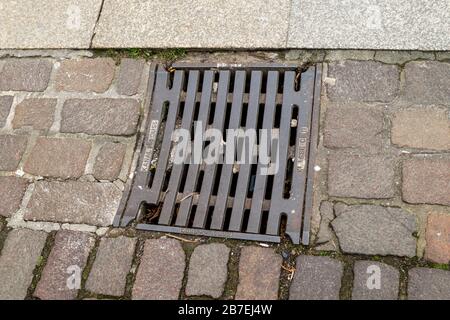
(39, 24)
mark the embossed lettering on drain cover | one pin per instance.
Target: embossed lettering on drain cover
(253, 200)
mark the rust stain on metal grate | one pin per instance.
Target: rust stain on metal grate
(228, 199)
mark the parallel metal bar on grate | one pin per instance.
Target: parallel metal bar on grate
(233, 200)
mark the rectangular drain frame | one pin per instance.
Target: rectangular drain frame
(228, 87)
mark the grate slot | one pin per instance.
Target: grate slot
(259, 192)
(227, 169)
(193, 172)
(177, 170)
(164, 153)
(210, 171)
(231, 199)
(246, 153)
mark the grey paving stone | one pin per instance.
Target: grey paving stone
(340, 55)
(325, 233)
(422, 128)
(316, 278)
(438, 237)
(401, 57)
(58, 157)
(47, 23)
(161, 271)
(12, 190)
(19, 257)
(36, 113)
(354, 127)
(428, 82)
(11, 151)
(377, 230)
(162, 24)
(208, 270)
(255, 262)
(26, 74)
(428, 284)
(363, 81)
(111, 266)
(375, 281)
(5, 107)
(108, 163)
(426, 181)
(65, 263)
(130, 75)
(383, 24)
(81, 75)
(100, 116)
(76, 202)
(366, 177)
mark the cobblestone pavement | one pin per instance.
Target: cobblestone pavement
(382, 188)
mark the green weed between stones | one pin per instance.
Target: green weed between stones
(166, 55)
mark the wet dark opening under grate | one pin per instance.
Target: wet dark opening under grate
(252, 200)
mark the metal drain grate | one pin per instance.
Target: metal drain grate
(226, 199)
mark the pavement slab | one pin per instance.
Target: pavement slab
(322, 24)
(47, 24)
(370, 24)
(193, 24)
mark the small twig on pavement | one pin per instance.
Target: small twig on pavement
(187, 196)
(181, 239)
(291, 271)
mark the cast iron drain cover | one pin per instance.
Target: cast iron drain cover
(252, 176)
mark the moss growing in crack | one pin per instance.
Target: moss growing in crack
(82, 294)
(233, 273)
(170, 55)
(140, 53)
(441, 266)
(131, 276)
(42, 260)
(3, 235)
(188, 248)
